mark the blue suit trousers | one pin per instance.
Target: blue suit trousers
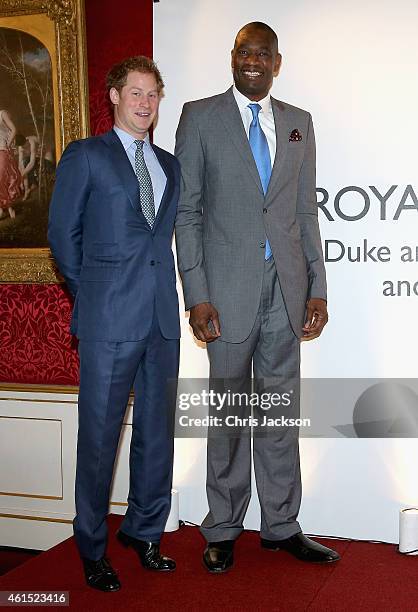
(108, 371)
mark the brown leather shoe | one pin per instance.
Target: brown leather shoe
(303, 548)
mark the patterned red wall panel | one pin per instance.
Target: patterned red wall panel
(35, 344)
(114, 31)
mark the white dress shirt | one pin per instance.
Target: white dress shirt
(158, 177)
(265, 115)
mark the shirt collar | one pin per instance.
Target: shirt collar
(127, 139)
(243, 101)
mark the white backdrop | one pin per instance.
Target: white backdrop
(353, 64)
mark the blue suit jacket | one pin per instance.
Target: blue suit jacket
(115, 266)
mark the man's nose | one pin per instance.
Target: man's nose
(144, 101)
(253, 59)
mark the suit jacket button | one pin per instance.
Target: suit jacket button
(262, 245)
(152, 262)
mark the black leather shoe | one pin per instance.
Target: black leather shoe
(148, 553)
(219, 556)
(303, 548)
(100, 575)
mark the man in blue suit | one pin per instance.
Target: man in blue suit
(110, 230)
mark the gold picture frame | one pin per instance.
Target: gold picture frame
(59, 25)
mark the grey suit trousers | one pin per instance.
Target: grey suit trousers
(274, 352)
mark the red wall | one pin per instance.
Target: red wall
(35, 345)
(113, 35)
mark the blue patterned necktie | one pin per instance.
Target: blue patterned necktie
(261, 153)
(146, 192)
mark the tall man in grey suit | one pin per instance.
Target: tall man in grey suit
(250, 258)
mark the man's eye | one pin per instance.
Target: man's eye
(242, 52)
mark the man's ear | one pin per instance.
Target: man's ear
(277, 64)
(114, 95)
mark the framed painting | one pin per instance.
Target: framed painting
(43, 106)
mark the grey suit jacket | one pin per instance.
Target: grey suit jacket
(223, 216)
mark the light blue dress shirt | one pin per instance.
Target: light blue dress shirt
(158, 177)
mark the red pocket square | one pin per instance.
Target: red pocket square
(295, 136)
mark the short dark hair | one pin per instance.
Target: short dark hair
(259, 25)
(118, 74)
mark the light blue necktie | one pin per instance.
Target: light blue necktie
(261, 153)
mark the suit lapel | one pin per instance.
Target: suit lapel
(232, 121)
(168, 171)
(123, 169)
(231, 118)
(282, 136)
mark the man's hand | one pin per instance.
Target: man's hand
(204, 320)
(316, 318)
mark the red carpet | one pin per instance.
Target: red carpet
(372, 577)
(13, 557)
